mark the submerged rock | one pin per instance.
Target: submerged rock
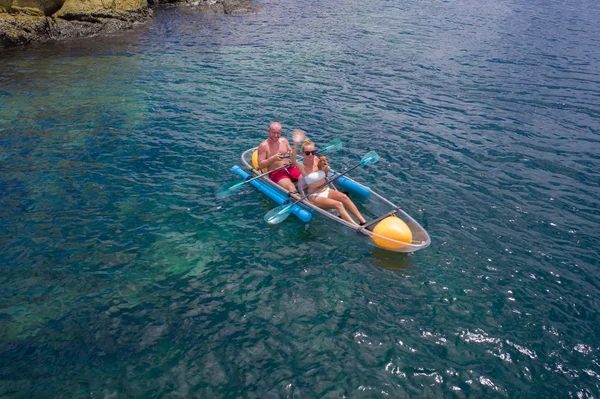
(27, 21)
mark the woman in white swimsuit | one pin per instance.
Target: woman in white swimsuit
(314, 169)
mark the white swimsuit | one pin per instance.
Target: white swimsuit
(313, 178)
(324, 193)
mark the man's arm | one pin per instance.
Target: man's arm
(262, 156)
(263, 161)
(287, 145)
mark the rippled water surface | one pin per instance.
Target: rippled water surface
(123, 276)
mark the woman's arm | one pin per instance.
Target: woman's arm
(298, 137)
(294, 159)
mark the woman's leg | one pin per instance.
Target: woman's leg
(328, 203)
(343, 198)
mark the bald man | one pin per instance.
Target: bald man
(271, 156)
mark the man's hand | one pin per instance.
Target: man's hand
(278, 156)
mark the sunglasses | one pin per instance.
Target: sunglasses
(307, 153)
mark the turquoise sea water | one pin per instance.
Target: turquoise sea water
(123, 276)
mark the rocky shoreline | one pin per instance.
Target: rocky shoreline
(29, 21)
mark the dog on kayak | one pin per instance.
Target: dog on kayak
(323, 165)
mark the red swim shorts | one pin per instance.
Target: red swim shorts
(288, 173)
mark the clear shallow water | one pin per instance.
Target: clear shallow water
(123, 276)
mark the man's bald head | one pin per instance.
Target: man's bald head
(274, 131)
(275, 127)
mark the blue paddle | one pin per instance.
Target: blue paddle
(231, 188)
(279, 214)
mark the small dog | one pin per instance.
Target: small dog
(323, 164)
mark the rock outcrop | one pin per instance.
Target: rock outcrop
(27, 21)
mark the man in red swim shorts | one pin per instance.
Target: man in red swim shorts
(271, 156)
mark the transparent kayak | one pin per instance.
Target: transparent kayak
(387, 227)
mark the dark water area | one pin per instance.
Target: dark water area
(123, 276)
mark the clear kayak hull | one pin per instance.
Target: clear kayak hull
(388, 226)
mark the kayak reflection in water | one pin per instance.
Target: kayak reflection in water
(315, 169)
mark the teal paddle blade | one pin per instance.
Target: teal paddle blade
(229, 189)
(334, 145)
(370, 158)
(279, 214)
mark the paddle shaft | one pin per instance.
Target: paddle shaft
(379, 219)
(343, 173)
(266, 173)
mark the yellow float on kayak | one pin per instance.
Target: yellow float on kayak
(255, 161)
(392, 233)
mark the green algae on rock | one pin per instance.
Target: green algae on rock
(28, 21)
